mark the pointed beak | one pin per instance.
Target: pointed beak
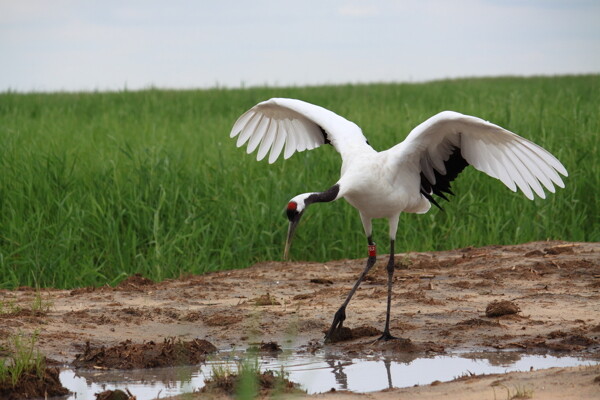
(290, 235)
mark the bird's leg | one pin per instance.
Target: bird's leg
(390, 273)
(340, 315)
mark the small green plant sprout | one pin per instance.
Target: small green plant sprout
(39, 305)
(249, 377)
(22, 358)
(9, 307)
(244, 380)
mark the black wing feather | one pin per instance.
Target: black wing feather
(454, 166)
(324, 133)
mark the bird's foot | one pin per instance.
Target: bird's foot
(387, 336)
(337, 330)
(339, 334)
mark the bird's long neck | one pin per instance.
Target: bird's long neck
(330, 194)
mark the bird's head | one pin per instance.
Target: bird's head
(294, 210)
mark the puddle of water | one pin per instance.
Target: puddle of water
(315, 372)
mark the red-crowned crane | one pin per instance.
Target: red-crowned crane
(403, 178)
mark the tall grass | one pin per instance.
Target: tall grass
(95, 186)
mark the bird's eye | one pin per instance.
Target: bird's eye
(291, 214)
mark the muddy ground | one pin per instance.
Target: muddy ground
(439, 304)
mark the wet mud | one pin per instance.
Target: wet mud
(31, 385)
(267, 382)
(540, 296)
(128, 355)
(115, 395)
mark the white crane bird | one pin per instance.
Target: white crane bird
(403, 178)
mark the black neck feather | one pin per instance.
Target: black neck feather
(322, 197)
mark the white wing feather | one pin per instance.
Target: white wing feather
(294, 125)
(501, 154)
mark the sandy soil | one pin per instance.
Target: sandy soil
(547, 384)
(439, 304)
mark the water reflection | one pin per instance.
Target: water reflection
(153, 376)
(316, 373)
(338, 371)
(388, 366)
(497, 358)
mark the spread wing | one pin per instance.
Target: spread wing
(442, 146)
(297, 125)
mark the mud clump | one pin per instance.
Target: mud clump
(30, 315)
(400, 345)
(577, 340)
(135, 282)
(271, 348)
(365, 330)
(222, 320)
(535, 253)
(265, 300)
(31, 385)
(115, 395)
(83, 290)
(128, 355)
(268, 382)
(477, 323)
(340, 335)
(343, 334)
(321, 281)
(560, 249)
(500, 308)
(556, 341)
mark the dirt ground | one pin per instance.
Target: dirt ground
(551, 291)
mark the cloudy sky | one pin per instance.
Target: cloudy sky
(114, 44)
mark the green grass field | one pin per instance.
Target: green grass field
(96, 186)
